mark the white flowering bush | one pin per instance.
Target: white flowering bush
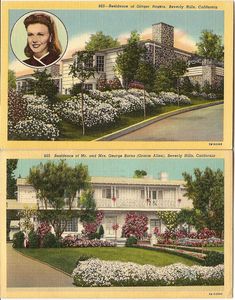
(95, 111)
(32, 128)
(96, 272)
(40, 122)
(172, 98)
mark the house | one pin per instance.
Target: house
(161, 51)
(116, 196)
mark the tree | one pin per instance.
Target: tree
(145, 74)
(210, 45)
(11, 180)
(140, 173)
(178, 69)
(127, 62)
(187, 216)
(163, 80)
(88, 207)
(56, 185)
(206, 190)
(83, 68)
(44, 85)
(11, 79)
(99, 41)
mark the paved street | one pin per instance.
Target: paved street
(204, 124)
(25, 272)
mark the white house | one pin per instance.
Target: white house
(116, 196)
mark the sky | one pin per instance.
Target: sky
(80, 24)
(126, 167)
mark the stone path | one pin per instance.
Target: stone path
(26, 272)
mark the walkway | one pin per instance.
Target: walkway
(26, 272)
(204, 124)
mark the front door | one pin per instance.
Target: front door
(109, 222)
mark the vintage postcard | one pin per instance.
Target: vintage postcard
(126, 75)
(116, 224)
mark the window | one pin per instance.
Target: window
(155, 223)
(100, 63)
(88, 86)
(106, 193)
(142, 194)
(154, 194)
(160, 195)
(89, 64)
(71, 226)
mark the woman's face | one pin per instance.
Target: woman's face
(38, 39)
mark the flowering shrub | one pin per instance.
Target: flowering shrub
(35, 129)
(95, 272)
(35, 120)
(91, 228)
(43, 229)
(172, 98)
(136, 85)
(17, 106)
(72, 241)
(135, 225)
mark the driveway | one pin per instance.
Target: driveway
(26, 272)
(205, 124)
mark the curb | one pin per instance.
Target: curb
(152, 120)
(42, 262)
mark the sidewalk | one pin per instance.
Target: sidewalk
(26, 272)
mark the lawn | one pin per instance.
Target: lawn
(66, 258)
(70, 131)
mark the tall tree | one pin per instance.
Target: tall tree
(44, 85)
(11, 180)
(145, 74)
(99, 41)
(127, 62)
(210, 45)
(56, 185)
(178, 69)
(83, 68)
(11, 79)
(163, 80)
(206, 190)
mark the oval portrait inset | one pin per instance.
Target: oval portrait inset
(39, 39)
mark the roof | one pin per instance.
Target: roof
(123, 181)
(135, 181)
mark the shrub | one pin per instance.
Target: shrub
(135, 225)
(18, 240)
(70, 241)
(83, 258)
(34, 240)
(214, 258)
(50, 241)
(95, 272)
(101, 231)
(131, 241)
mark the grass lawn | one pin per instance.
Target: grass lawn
(66, 258)
(71, 132)
(219, 249)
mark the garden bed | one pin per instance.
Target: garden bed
(96, 272)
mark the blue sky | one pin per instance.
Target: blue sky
(82, 23)
(126, 167)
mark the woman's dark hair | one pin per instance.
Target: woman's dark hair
(41, 18)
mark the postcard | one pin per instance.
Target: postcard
(127, 75)
(117, 224)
